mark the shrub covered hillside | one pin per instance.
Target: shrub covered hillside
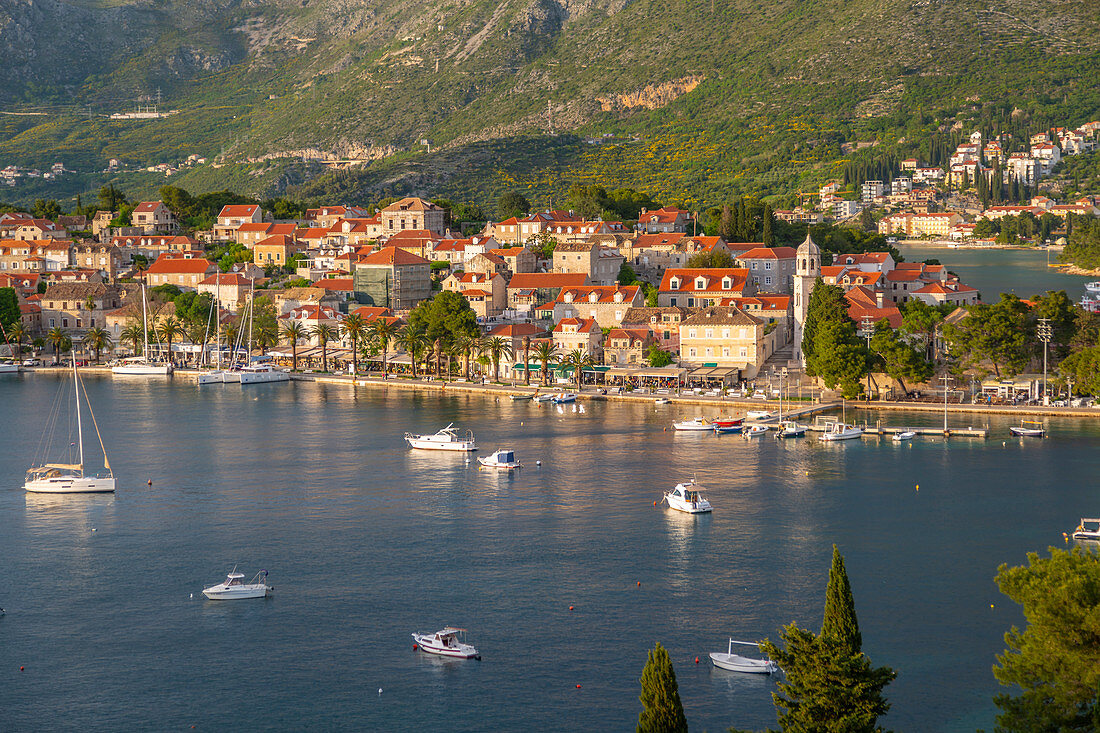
(694, 97)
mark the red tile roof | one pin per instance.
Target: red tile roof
(768, 253)
(178, 265)
(536, 280)
(238, 210)
(712, 276)
(392, 256)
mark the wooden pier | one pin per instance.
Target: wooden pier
(821, 424)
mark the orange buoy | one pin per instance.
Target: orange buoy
(415, 647)
(149, 482)
(570, 608)
(654, 503)
(20, 669)
(697, 660)
(578, 687)
(639, 584)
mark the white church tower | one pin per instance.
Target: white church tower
(807, 270)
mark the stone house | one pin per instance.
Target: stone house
(771, 269)
(413, 213)
(77, 307)
(232, 216)
(579, 333)
(153, 217)
(607, 304)
(526, 290)
(393, 278)
(600, 264)
(698, 287)
(105, 258)
(625, 346)
(726, 337)
(487, 294)
(184, 272)
(518, 259)
(276, 250)
(663, 322)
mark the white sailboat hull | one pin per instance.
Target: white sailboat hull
(218, 377)
(9, 368)
(148, 370)
(71, 485)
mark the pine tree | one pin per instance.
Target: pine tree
(840, 624)
(662, 711)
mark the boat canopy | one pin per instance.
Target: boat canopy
(62, 466)
(506, 456)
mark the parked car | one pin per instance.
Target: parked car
(32, 362)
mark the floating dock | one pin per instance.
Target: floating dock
(821, 424)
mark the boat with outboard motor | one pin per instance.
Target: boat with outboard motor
(756, 431)
(1029, 429)
(792, 429)
(446, 643)
(1088, 529)
(563, 398)
(694, 424)
(446, 439)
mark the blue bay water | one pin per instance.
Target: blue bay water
(993, 271)
(367, 541)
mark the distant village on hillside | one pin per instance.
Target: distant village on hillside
(617, 291)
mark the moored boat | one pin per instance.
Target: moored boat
(686, 498)
(544, 397)
(1093, 287)
(233, 588)
(841, 431)
(1029, 429)
(1088, 530)
(758, 414)
(446, 643)
(904, 435)
(67, 477)
(696, 423)
(261, 374)
(727, 429)
(756, 431)
(562, 398)
(727, 422)
(446, 439)
(737, 663)
(661, 401)
(792, 429)
(504, 459)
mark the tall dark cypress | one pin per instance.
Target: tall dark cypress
(662, 711)
(768, 236)
(840, 624)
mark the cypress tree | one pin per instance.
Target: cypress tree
(769, 236)
(725, 224)
(662, 711)
(840, 624)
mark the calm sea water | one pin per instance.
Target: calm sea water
(367, 541)
(994, 271)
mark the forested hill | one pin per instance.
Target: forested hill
(694, 96)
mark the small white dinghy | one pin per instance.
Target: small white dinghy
(686, 498)
(233, 587)
(446, 643)
(543, 397)
(504, 460)
(758, 414)
(564, 398)
(661, 401)
(756, 431)
(737, 663)
(1029, 429)
(696, 424)
(904, 435)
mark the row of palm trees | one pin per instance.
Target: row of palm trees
(379, 335)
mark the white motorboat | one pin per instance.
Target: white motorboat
(67, 477)
(756, 431)
(661, 401)
(686, 498)
(696, 423)
(737, 663)
(904, 435)
(8, 367)
(140, 365)
(1029, 429)
(219, 376)
(446, 643)
(758, 414)
(544, 397)
(446, 439)
(792, 429)
(563, 398)
(262, 374)
(1088, 529)
(1093, 287)
(518, 397)
(842, 431)
(233, 587)
(503, 459)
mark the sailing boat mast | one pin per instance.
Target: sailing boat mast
(217, 312)
(251, 319)
(79, 427)
(144, 324)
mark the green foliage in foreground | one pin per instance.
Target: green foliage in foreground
(9, 308)
(1055, 661)
(828, 684)
(662, 711)
(1083, 245)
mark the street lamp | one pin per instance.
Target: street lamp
(867, 330)
(945, 379)
(1045, 334)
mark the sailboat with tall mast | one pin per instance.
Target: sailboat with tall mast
(69, 477)
(218, 375)
(140, 365)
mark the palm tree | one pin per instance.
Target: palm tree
(18, 332)
(496, 348)
(293, 332)
(266, 335)
(196, 333)
(170, 329)
(414, 341)
(57, 338)
(324, 334)
(579, 361)
(545, 351)
(383, 331)
(98, 339)
(135, 335)
(355, 328)
(466, 344)
(438, 348)
(526, 361)
(230, 332)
